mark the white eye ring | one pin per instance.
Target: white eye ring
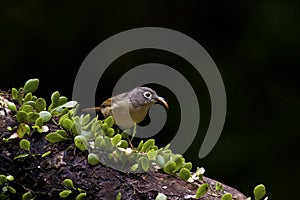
(147, 95)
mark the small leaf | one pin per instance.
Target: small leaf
(110, 132)
(81, 196)
(40, 104)
(2, 179)
(10, 178)
(123, 144)
(54, 100)
(55, 137)
(188, 166)
(109, 121)
(184, 174)
(140, 146)
(14, 93)
(45, 115)
(116, 139)
(32, 116)
(31, 85)
(46, 154)
(179, 160)
(11, 190)
(152, 154)
(144, 163)
(11, 106)
(69, 104)
(67, 124)
(118, 197)
(69, 183)
(169, 167)
(27, 196)
(134, 167)
(160, 161)
(27, 97)
(93, 159)
(39, 122)
(202, 190)
(148, 145)
(161, 196)
(21, 156)
(26, 108)
(227, 196)
(259, 192)
(65, 193)
(62, 133)
(25, 144)
(22, 117)
(31, 103)
(63, 100)
(22, 130)
(80, 142)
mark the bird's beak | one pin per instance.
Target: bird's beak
(162, 100)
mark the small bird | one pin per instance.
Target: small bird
(131, 107)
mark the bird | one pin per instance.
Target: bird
(130, 108)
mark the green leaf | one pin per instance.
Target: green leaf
(161, 196)
(27, 97)
(179, 160)
(227, 196)
(202, 190)
(46, 154)
(259, 192)
(22, 117)
(188, 166)
(69, 183)
(109, 121)
(11, 190)
(40, 104)
(45, 115)
(93, 159)
(81, 196)
(116, 139)
(63, 100)
(26, 108)
(14, 93)
(55, 137)
(160, 161)
(144, 163)
(2, 179)
(31, 103)
(148, 145)
(31, 85)
(134, 167)
(39, 122)
(110, 132)
(27, 196)
(67, 124)
(25, 144)
(80, 142)
(169, 167)
(65, 193)
(32, 116)
(118, 197)
(11, 106)
(184, 174)
(54, 100)
(152, 154)
(22, 130)
(10, 178)
(140, 146)
(123, 144)
(21, 156)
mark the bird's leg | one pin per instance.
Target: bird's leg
(133, 135)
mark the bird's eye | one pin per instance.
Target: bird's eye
(148, 95)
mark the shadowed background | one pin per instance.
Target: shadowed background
(253, 44)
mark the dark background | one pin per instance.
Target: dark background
(254, 45)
